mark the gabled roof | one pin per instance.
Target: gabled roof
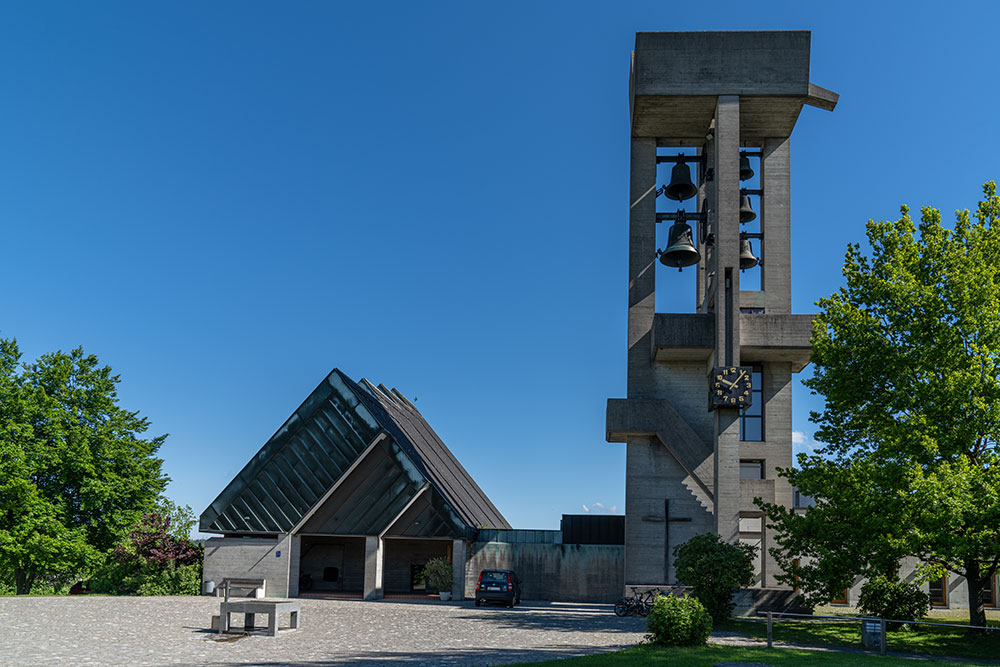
(353, 459)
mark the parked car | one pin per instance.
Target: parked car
(498, 586)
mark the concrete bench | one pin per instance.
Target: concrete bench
(251, 607)
(255, 585)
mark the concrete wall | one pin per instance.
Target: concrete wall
(252, 558)
(657, 485)
(567, 572)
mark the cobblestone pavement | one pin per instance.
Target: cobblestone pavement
(95, 630)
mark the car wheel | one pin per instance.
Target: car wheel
(478, 602)
(511, 603)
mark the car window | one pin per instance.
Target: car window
(494, 577)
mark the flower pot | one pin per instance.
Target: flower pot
(445, 595)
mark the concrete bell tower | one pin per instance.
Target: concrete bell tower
(708, 414)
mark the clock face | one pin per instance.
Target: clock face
(730, 386)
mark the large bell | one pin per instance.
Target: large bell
(746, 171)
(746, 212)
(681, 187)
(747, 259)
(680, 250)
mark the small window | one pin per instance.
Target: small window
(331, 573)
(752, 469)
(752, 419)
(843, 600)
(938, 590)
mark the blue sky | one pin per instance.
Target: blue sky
(225, 200)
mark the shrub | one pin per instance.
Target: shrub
(151, 561)
(896, 600)
(715, 570)
(676, 621)
(438, 573)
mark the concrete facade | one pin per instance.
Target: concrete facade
(270, 559)
(549, 571)
(711, 95)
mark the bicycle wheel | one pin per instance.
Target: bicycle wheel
(621, 608)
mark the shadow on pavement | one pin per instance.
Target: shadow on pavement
(551, 617)
(491, 656)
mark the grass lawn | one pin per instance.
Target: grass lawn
(932, 640)
(708, 655)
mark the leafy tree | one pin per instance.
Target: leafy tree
(907, 357)
(715, 570)
(181, 518)
(75, 474)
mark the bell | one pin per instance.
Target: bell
(747, 260)
(746, 213)
(681, 187)
(680, 250)
(746, 172)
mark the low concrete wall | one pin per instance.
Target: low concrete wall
(252, 558)
(568, 572)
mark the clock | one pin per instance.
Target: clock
(730, 386)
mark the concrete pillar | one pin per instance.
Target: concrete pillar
(775, 276)
(641, 267)
(727, 309)
(459, 561)
(294, 546)
(374, 560)
(641, 308)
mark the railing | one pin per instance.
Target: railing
(874, 624)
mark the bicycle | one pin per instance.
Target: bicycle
(638, 604)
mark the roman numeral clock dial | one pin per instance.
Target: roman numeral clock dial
(730, 386)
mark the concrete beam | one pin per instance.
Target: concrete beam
(763, 338)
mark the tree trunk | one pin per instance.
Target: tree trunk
(974, 581)
(23, 581)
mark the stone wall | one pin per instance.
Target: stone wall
(565, 572)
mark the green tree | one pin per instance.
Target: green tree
(75, 475)
(907, 358)
(715, 570)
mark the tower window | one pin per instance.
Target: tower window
(752, 469)
(752, 419)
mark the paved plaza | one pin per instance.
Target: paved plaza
(96, 630)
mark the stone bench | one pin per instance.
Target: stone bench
(252, 607)
(255, 585)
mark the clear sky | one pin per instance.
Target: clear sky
(225, 200)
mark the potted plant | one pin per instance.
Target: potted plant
(437, 573)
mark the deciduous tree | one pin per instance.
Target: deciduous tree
(907, 358)
(75, 473)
